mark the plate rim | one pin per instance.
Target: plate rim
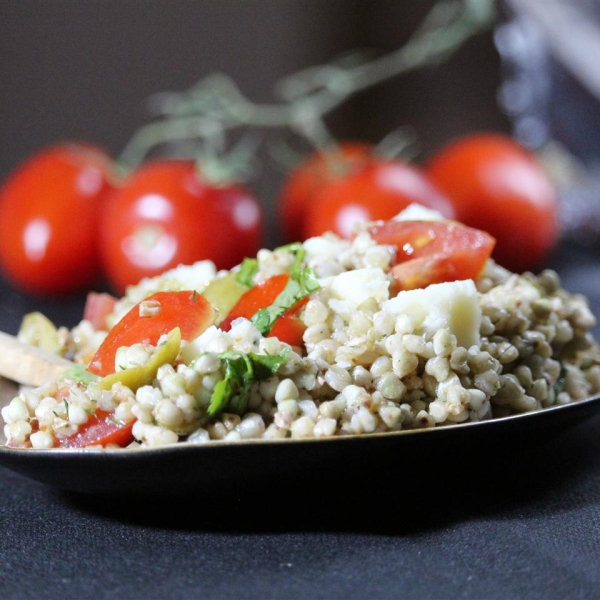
(185, 446)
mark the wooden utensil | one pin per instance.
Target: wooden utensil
(29, 365)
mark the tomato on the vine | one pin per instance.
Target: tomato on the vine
(319, 168)
(165, 214)
(49, 209)
(379, 190)
(497, 185)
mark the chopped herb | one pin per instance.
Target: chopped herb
(91, 411)
(296, 267)
(298, 249)
(241, 371)
(302, 283)
(66, 408)
(266, 365)
(194, 294)
(81, 374)
(247, 271)
(296, 289)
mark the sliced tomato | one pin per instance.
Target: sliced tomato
(434, 251)
(97, 308)
(101, 429)
(289, 328)
(188, 310)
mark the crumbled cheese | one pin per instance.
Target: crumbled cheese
(149, 308)
(454, 306)
(417, 212)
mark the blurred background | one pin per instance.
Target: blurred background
(83, 69)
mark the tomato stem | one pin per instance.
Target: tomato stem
(173, 129)
(215, 105)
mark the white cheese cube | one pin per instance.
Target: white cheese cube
(417, 212)
(454, 306)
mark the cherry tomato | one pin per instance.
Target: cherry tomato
(49, 208)
(434, 251)
(497, 185)
(289, 328)
(165, 214)
(97, 308)
(378, 191)
(189, 311)
(319, 168)
(101, 429)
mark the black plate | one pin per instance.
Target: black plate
(191, 467)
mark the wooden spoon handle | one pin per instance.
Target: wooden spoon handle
(29, 365)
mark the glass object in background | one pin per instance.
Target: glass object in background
(551, 92)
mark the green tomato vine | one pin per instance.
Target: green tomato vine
(201, 118)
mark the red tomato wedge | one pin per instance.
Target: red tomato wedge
(288, 328)
(188, 310)
(434, 251)
(97, 308)
(100, 430)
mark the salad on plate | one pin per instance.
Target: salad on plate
(409, 324)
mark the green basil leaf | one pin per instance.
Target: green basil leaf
(247, 271)
(266, 365)
(241, 371)
(298, 250)
(220, 397)
(296, 289)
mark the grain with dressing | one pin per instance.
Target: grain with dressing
(358, 350)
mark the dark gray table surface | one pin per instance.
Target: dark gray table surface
(518, 523)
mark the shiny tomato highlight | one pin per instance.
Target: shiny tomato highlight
(378, 191)
(49, 210)
(496, 185)
(434, 251)
(165, 214)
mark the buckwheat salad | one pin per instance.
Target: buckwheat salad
(368, 356)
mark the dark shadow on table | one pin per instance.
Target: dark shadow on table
(390, 498)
